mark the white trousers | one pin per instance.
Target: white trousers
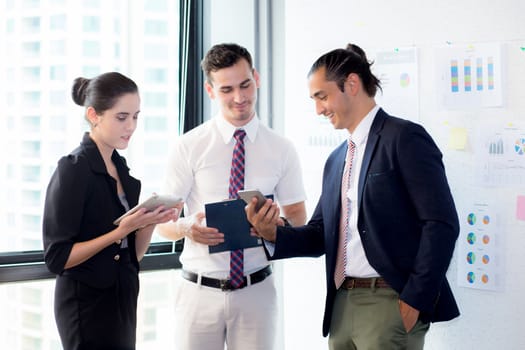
(212, 319)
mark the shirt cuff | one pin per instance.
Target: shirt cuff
(270, 247)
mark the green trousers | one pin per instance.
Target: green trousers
(369, 319)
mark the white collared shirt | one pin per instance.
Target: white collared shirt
(357, 264)
(199, 171)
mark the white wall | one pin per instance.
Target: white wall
(490, 319)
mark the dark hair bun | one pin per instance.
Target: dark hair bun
(357, 50)
(78, 91)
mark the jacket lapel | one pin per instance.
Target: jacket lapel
(373, 138)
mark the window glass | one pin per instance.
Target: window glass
(31, 123)
(91, 23)
(31, 25)
(48, 47)
(27, 313)
(57, 72)
(41, 123)
(156, 5)
(91, 48)
(155, 123)
(154, 27)
(31, 74)
(57, 22)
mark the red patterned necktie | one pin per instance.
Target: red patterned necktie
(339, 275)
(237, 184)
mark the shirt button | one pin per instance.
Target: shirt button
(116, 257)
(118, 241)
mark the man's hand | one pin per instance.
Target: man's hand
(193, 229)
(409, 315)
(265, 220)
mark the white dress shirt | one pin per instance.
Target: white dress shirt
(357, 264)
(199, 171)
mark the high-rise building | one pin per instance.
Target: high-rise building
(45, 45)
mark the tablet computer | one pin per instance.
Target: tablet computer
(151, 204)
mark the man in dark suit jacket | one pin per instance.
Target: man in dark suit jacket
(399, 230)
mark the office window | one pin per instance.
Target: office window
(31, 173)
(57, 72)
(58, 22)
(155, 75)
(31, 123)
(91, 24)
(31, 320)
(32, 296)
(31, 198)
(53, 42)
(57, 122)
(156, 5)
(58, 97)
(31, 49)
(154, 148)
(155, 123)
(153, 27)
(9, 4)
(31, 223)
(31, 74)
(91, 48)
(10, 102)
(90, 71)
(10, 26)
(31, 149)
(155, 52)
(155, 99)
(30, 4)
(29, 342)
(31, 25)
(32, 98)
(57, 3)
(57, 48)
(117, 50)
(116, 26)
(91, 3)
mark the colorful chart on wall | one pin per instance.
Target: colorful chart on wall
(479, 264)
(500, 154)
(470, 76)
(397, 69)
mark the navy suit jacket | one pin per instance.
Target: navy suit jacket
(407, 218)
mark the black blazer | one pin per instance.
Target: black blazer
(81, 204)
(407, 218)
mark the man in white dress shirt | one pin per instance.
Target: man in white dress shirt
(209, 311)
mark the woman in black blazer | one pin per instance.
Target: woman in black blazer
(97, 262)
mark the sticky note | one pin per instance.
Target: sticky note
(520, 208)
(457, 138)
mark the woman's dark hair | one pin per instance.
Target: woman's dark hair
(102, 92)
(223, 56)
(339, 63)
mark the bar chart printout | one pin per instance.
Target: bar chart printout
(470, 76)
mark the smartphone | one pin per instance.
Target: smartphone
(247, 196)
(151, 204)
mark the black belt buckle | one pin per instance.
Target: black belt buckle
(225, 285)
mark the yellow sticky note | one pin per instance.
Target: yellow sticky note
(457, 138)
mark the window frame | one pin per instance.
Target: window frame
(18, 266)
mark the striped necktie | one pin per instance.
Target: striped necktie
(237, 184)
(340, 267)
